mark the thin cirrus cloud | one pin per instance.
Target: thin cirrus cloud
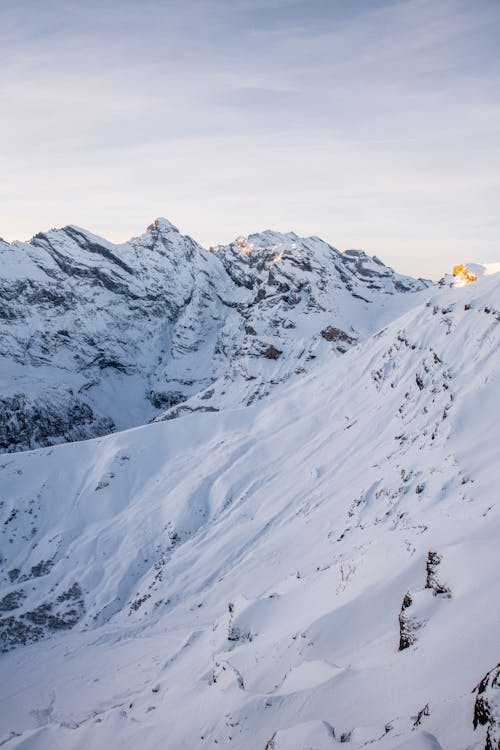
(372, 124)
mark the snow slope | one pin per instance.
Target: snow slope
(96, 337)
(319, 568)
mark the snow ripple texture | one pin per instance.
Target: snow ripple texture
(316, 569)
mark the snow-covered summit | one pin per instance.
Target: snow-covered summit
(161, 226)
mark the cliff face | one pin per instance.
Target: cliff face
(96, 337)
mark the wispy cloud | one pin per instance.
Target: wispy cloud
(375, 124)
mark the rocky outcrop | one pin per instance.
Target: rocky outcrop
(31, 423)
(28, 626)
(431, 582)
(487, 707)
(418, 606)
(407, 625)
(272, 353)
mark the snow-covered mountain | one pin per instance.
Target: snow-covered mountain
(316, 569)
(97, 337)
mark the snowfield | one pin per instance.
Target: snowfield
(315, 569)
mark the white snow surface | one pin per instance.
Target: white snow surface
(236, 579)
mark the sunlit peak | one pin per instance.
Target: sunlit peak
(462, 275)
(244, 246)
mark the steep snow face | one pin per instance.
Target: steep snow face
(96, 337)
(316, 569)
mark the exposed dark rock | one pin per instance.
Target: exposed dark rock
(487, 707)
(330, 333)
(425, 711)
(406, 624)
(272, 353)
(27, 423)
(12, 600)
(40, 569)
(27, 627)
(165, 399)
(431, 581)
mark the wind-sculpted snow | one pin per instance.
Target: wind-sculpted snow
(96, 337)
(317, 569)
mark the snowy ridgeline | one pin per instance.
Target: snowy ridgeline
(317, 569)
(97, 337)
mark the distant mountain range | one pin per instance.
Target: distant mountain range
(96, 337)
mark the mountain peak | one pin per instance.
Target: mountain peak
(162, 225)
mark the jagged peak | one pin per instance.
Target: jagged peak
(271, 235)
(161, 225)
(70, 237)
(270, 241)
(164, 237)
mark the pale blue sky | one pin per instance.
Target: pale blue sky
(372, 124)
